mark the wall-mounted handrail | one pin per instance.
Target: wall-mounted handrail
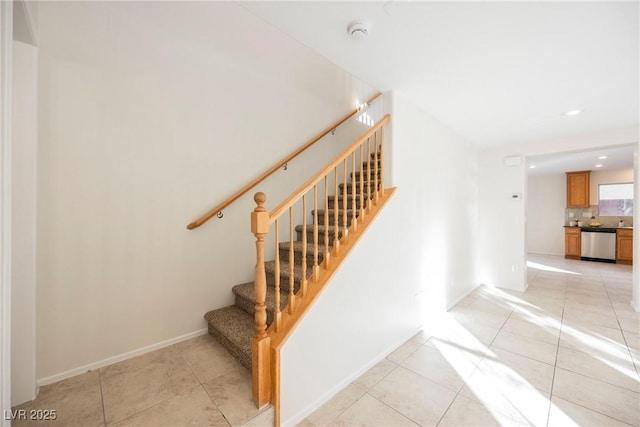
(210, 214)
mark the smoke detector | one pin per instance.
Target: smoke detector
(357, 31)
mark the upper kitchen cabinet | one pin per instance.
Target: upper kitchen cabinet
(578, 187)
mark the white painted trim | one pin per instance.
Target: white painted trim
(635, 307)
(295, 419)
(6, 43)
(119, 358)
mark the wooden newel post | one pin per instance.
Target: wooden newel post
(260, 344)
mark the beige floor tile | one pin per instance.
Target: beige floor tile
(508, 395)
(546, 330)
(373, 376)
(369, 411)
(469, 413)
(414, 396)
(137, 384)
(76, 402)
(406, 349)
(305, 423)
(583, 317)
(191, 408)
(232, 394)
(336, 405)
(465, 332)
(632, 340)
(516, 371)
(265, 419)
(616, 369)
(524, 346)
(208, 359)
(446, 365)
(458, 348)
(589, 337)
(564, 413)
(615, 402)
(603, 307)
(629, 324)
(486, 319)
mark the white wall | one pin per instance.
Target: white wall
(502, 245)
(6, 47)
(150, 114)
(23, 227)
(417, 259)
(545, 205)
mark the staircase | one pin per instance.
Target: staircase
(234, 326)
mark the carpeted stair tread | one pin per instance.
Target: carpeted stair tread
(356, 177)
(297, 252)
(331, 214)
(349, 201)
(372, 186)
(330, 229)
(285, 274)
(233, 328)
(246, 299)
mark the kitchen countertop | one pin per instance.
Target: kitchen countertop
(602, 229)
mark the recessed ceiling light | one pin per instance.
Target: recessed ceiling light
(573, 113)
(602, 157)
(532, 166)
(599, 165)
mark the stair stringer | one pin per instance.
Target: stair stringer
(304, 304)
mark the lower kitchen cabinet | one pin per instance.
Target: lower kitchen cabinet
(624, 246)
(572, 242)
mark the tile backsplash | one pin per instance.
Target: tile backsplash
(607, 221)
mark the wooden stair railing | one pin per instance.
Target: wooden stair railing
(218, 209)
(353, 210)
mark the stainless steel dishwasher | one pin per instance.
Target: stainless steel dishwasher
(598, 245)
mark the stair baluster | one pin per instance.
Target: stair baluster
(292, 295)
(361, 209)
(336, 227)
(369, 175)
(326, 222)
(304, 245)
(316, 266)
(375, 162)
(345, 228)
(277, 311)
(354, 223)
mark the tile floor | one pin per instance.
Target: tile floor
(564, 353)
(194, 383)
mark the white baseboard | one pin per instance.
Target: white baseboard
(635, 306)
(302, 414)
(119, 358)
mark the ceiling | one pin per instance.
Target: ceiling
(620, 157)
(497, 73)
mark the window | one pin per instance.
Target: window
(615, 199)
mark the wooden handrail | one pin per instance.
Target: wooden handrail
(304, 188)
(206, 217)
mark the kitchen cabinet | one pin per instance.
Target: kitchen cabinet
(624, 246)
(578, 189)
(572, 242)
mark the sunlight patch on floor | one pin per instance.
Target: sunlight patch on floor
(544, 267)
